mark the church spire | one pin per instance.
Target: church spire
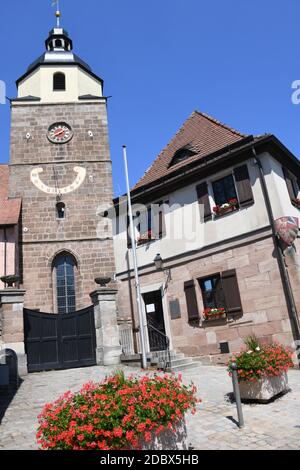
(57, 12)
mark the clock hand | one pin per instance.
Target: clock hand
(58, 133)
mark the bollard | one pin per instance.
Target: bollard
(237, 395)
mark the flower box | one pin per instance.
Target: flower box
(214, 313)
(264, 389)
(262, 370)
(168, 439)
(146, 238)
(229, 206)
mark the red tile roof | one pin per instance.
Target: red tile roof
(10, 211)
(200, 133)
(9, 208)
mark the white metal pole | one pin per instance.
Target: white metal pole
(135, 264)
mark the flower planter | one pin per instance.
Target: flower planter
(230, 206)
(215, 317)
(210, 314)
(264, 389)
(225, 211)
(134, 413)
(168, 439)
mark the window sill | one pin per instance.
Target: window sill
(226, 212)
(142, 243)
(147, 241)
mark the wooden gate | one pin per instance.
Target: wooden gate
(59, 341)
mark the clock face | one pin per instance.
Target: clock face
(60, 133)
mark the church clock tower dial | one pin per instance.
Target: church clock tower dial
(60, 133)
(62, 173)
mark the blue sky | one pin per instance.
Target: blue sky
(162, 59)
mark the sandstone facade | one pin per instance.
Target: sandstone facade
(264, 307)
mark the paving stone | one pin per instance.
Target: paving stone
(272, 426)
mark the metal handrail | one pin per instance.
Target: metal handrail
(166, 343)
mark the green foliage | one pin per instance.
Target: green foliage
(258, 361)
(252, 343)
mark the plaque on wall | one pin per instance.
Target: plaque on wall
(174, 309)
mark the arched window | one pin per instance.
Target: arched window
(64, 267)
(58, 43)
(60, 210)
(59, 81)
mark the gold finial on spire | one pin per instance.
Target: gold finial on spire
(57, 13)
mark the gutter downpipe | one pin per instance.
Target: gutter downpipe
(280, 258)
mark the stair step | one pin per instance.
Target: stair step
(191, 365)
(177, 354)
(179, 361)
(184, 360)
(134, 358)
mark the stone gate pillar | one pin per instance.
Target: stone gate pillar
(12, 325)
(107, 333)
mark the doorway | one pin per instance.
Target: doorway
(155, 321)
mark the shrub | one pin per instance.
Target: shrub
(258, 361)
(115, 414)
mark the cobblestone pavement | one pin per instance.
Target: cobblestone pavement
(272, 426)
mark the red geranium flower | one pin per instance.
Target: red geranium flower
(117, 413)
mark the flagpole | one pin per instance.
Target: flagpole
(135, 264)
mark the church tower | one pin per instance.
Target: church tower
(60, 166)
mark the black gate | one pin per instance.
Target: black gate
(59, 341)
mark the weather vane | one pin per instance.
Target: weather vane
(57, 13)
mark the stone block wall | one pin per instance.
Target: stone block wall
(292, 261)
(83, 232)
(12, 329)
(264, 307)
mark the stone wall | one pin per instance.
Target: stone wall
(292, 260)
(12, 333)
(264, 307)
(43, 234)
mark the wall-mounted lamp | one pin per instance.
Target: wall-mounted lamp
(91, 134)
(28, 136)
(159, 264)
(158, 261)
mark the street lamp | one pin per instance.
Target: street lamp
(159, 264)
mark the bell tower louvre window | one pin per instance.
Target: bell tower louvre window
(59, 81)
